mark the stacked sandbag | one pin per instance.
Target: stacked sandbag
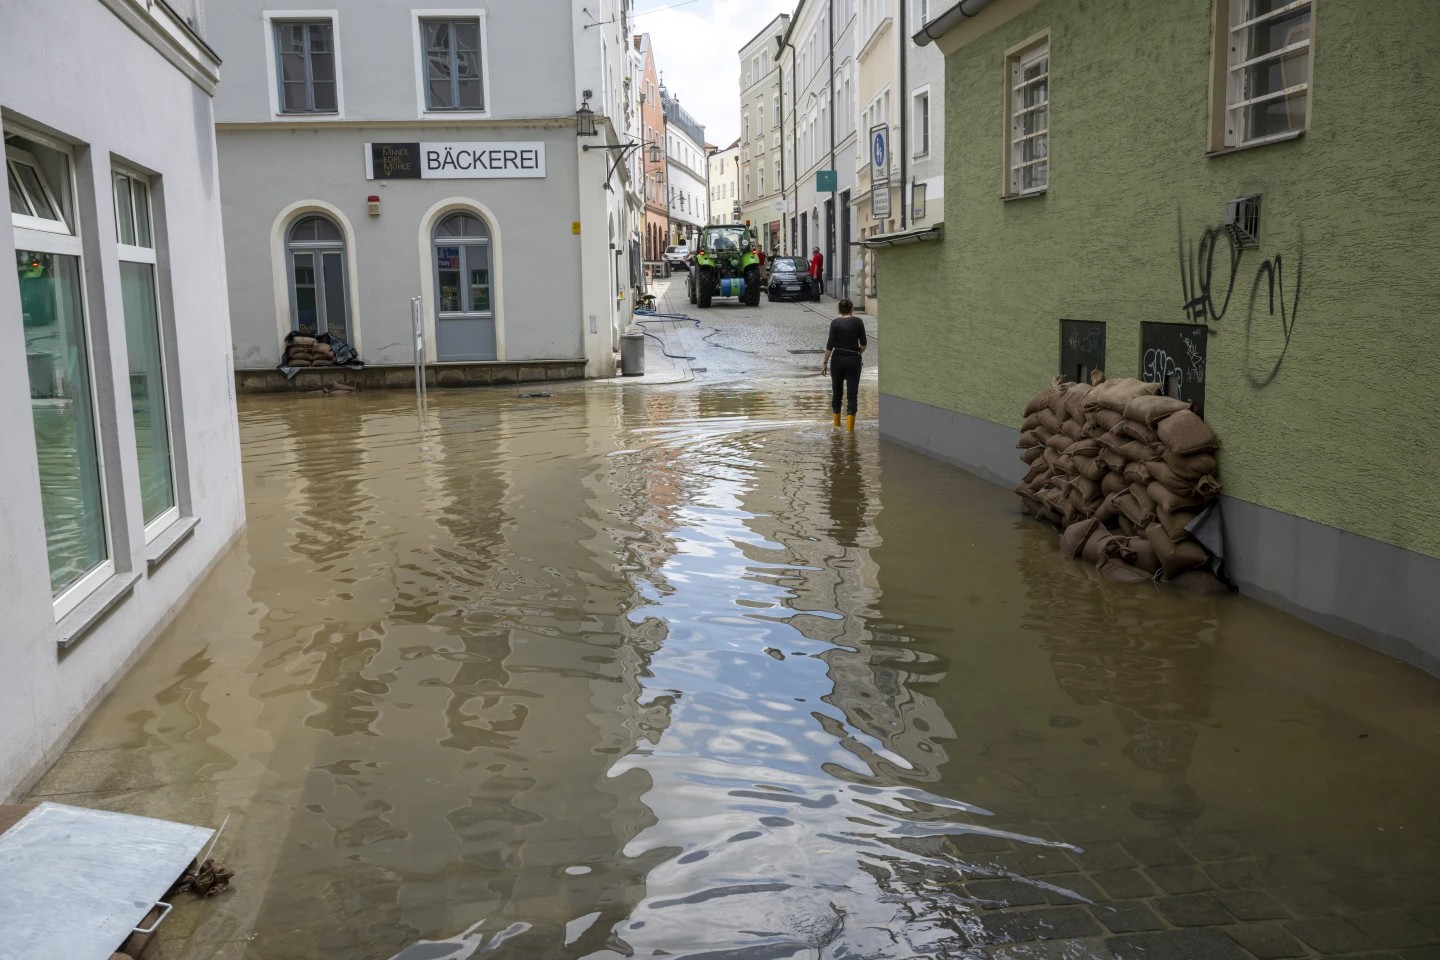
(303, 351)
(1122, 471)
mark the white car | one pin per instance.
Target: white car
(678, 257)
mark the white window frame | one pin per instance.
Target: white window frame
(45, 238)
(1231, 25)
(25, 221)
(916, 122)
(922, 13)
(269, 19)
(138, 254)
(417, 49)
(1017, 59)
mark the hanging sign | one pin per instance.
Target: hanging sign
(454, 161)
(825, 181)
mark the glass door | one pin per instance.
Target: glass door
(465, 324)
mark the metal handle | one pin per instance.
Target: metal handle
(165, 912)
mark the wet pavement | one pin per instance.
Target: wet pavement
(678, 670)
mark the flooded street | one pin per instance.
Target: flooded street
(681, 671)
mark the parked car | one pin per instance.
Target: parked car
(678, 256)
(789, 278)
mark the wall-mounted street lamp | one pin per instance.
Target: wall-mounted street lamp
(585, 117)
(624, 148)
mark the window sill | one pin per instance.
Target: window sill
(94, 608)
(157, 551)
(1269, 141)
(1011, 197)
(288, 117)
(455, 115)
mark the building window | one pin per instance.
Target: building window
(144, 346)
(58, 359)
(452, 50)
(305, 65)
(920, 121)
(922, 13)
(319, 294)
(1265, 84)
(1029, 130)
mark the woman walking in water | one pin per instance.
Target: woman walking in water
(842, 361)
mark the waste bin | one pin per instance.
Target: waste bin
(632, 354)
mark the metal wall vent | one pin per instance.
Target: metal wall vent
(1242, 216)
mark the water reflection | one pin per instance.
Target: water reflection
(682, 672)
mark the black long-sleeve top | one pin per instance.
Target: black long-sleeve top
(847, 333)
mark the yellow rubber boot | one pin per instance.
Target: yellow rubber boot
(849, 422)
(836, 421)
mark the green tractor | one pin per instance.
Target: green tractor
(727, 264)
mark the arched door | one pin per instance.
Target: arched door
(319, 288)
(464, 289)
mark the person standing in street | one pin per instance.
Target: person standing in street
(842, 361)
(817, 266)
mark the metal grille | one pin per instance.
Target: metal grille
(1243, 217)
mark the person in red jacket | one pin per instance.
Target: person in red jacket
(817, 265)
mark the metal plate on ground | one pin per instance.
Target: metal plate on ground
(75, 882)
(807, 351)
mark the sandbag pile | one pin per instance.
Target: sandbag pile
(302, 351)
(1121, 471)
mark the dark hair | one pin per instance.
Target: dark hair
(846, 306)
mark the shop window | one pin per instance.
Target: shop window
(1082, 349)
(319, 285)
(452, 55)
(145, 348)
(1173, 355)
(48, 260)
(306, 66)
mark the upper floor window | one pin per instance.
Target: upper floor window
(1028, 140)
(32, 204)
(920, 122)
(1265, 86)
(305, 66)
(922, 13)
(452, 49)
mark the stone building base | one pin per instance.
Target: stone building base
(402, 377)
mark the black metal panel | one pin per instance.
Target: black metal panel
(1173, 354)
(1082, 349)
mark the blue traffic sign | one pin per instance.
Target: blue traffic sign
(880, 148)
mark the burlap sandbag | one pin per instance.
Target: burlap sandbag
(1049, 421)
(1066, 465)
(1175, 558)
(1137, 452)
(1100, 545)
(324, 349)
(1075, 536)
(1170, 500)
(1135, 473)
(1161, 473)
(1032, 438)
(1145, 557)
(1142, 497)
(1059, 443)
(1088, 488)
(299, 340)
(323, 362)
(1147, 410)
(1113, 459)
(1138, 431)
(1130, 506)
(1117, 394)
(1207, 488)
(297, 363)
(1200, 581)
(1083, 448)
(1030, 422)
(1089, 467)
(1112, 482)
(1105, 511)
(1033, 454)
(1174, 522)
(1057, 400)
(1075, 401)
(1073, 429)
(1127, 527)
(1185, 433)
(1102, 420)
(1051, 457)
(1120, 572)
(1041, 401)
(1035, 470)
(1191, 468)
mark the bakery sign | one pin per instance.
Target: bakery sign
(454, 161)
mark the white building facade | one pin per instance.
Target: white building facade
(382, 150)
(725, 184)
(818, 78)
(117, 411)
(762, 163)
(685, 172)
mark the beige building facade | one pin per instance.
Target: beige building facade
(725, 184)
(762, 173)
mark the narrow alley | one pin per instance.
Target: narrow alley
(619, 669)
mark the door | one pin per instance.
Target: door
(464, 291)
(844, 252)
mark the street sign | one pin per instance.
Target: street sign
(880, 152)
(880, 200)
(779, 206)
(825, 181)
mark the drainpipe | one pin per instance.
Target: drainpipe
(780, 79)
(904, 115)
(794, 134)
(830, 82)
(943, 24)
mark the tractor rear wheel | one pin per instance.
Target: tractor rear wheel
(705, 285)
(752, 285)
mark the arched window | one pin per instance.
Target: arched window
(464, 287)
(319, 291)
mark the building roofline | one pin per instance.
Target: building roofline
(779, 16)
(937, 27)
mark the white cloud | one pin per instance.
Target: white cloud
(697, 50)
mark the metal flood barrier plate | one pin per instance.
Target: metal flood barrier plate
(75, 882)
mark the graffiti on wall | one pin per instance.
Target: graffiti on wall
(1210, 269)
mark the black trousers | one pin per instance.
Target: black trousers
(844, 373)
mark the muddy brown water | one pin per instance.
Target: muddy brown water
(682, 671)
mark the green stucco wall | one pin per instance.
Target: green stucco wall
(1348, 431)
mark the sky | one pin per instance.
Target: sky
(697, 51)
